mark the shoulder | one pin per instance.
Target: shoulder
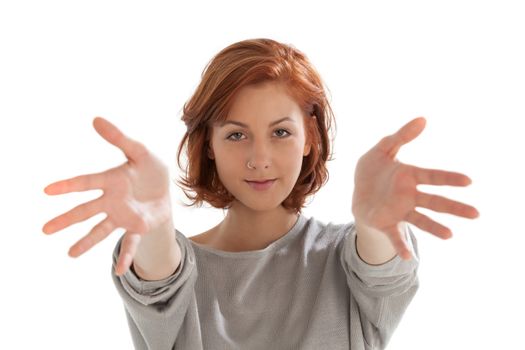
(201, 238)
(205, 238)
(329, 233)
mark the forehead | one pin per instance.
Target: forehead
(268, 101)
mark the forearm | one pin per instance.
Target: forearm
(373, 246)
(158, 255)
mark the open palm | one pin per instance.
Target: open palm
(135, 197)
(385, 192)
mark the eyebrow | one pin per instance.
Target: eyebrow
(224, 123)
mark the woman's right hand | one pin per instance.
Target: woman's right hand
(135, 197)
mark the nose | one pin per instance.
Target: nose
(260, 155)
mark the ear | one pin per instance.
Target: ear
(210, 153)
(209, 149)
(308, 144)
(307, 148)
(208, 143)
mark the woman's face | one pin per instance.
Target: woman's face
(265, 127)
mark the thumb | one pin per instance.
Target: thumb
(131, 148)
(392, 143)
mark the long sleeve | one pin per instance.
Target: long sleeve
(307, 290)
(381, 293)
(156, 310)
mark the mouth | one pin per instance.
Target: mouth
(260, 181)
(261, 185)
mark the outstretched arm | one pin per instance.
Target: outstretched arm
(386, 196)
(136, 197)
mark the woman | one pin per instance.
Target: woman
(266, 277)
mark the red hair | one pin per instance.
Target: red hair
(244, 63)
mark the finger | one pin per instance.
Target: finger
(439, 177)
(76, 184)
(399, 244)
(97, 234)
(79, 213)
(445, 205)
(391, 144)
(426, 224)
(128, 249)
(133, 150)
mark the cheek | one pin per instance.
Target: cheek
(227, 164)
(290, 161)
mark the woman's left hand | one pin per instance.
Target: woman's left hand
(385, 192)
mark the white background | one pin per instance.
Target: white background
(460, 64)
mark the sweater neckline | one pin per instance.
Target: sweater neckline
(283, 240)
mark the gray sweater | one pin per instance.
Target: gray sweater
(307, 290)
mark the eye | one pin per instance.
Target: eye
(235, 136)
(286, 131)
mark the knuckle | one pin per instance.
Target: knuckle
(402, 178)
(140, 149)
(431, 201)
(86, 243)
(421, 220)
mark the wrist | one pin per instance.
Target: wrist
(373, 246)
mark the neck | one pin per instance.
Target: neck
(243, 229)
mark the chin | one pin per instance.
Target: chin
(260, 205)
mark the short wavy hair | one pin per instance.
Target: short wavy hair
(244, 63)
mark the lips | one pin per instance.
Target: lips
(260, 181)
(261, 185)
